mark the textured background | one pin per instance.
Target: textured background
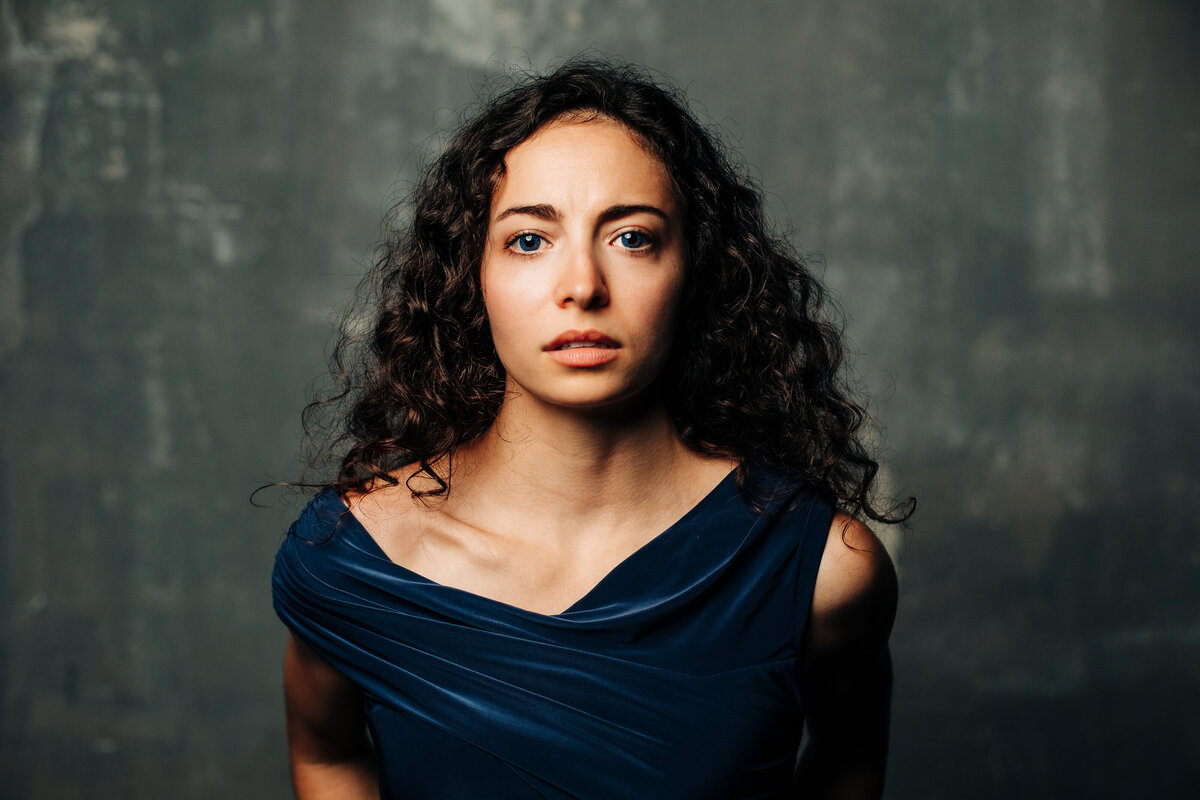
(1008, 199)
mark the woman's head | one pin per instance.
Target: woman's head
(583, 267)
(754, 370)
(452, 202)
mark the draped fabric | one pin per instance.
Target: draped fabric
(677, 676)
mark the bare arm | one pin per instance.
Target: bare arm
(848, 669)
(326, 729)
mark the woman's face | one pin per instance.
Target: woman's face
(583, 268)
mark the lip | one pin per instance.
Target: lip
(602, 349)
(602, 341)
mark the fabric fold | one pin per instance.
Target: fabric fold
(675, 676)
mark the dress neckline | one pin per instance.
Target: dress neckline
(369, 544)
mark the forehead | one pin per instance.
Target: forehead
(594, 158)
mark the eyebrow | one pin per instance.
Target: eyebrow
(550, 213)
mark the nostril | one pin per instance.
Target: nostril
(586, 292)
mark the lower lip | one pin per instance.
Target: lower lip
(583, 356)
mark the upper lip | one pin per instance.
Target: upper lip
(593, 336)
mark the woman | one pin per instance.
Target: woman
(595, 532)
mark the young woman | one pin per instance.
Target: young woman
(595, 533)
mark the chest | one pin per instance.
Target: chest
(587, 734)
(538, 573)
(675, 676)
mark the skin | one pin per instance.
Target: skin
(586, 235)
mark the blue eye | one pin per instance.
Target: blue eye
(633, 240)
(528, 242)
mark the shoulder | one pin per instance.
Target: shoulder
(395, 517)
(854, 599)
(320, 519)
(320, 562)
(306, 551)
(847, 670)
(381, 504)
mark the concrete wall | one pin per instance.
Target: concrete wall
(1007, 196)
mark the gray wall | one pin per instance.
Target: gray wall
(1008, 199)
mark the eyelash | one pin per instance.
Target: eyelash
(648, 241)
(512, 243)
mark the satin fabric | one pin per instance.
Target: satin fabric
(677, 676)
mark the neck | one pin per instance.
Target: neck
(578, 462)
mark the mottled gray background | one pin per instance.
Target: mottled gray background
(1007, 196)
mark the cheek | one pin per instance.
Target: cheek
(659, 306)
(506, 312)
(667, 297)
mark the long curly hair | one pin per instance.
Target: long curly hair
(755, 373)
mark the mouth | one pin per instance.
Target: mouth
(575, 340)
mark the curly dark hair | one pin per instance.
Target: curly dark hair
(755, 373)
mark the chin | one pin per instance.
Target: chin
(604, 402)
(595, 392)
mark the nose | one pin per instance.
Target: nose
(581, 281)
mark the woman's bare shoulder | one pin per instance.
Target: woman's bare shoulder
(385, 507)
(854, 599)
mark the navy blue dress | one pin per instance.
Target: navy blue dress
(677, 676)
